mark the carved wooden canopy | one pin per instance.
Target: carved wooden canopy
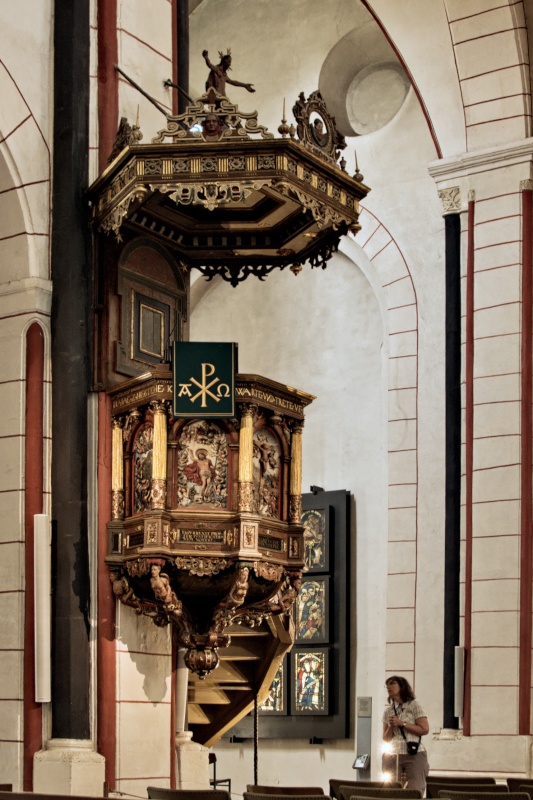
(228, 203)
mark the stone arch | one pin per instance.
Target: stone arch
(494, 80)
(401, 311)
(490, 86)
(24, 187)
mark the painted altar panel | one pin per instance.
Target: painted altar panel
(310, 681)
(203, 466)
(276, 702)
(316, 543)
(311, 611)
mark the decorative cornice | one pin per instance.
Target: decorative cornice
(26, 295)
(486, 160)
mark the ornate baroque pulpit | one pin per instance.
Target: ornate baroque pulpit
(206, 514)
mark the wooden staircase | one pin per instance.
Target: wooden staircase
(247, 667)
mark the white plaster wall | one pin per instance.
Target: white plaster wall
(276, 46)
(144, 32)
(25, 136)
(430, 60)
(143, 703)
(321, 332)
(271, 47)
(26, 51)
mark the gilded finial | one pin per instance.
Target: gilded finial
(358, 176)
(284, 129)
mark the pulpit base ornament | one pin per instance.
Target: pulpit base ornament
(246, 593)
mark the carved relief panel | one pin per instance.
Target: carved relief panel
(142, 457)
(266, 474)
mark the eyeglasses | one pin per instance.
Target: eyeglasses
(391, 683)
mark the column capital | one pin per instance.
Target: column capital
(248, 409)
(450, 199)
(159, 406)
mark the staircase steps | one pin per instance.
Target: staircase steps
(246, 668)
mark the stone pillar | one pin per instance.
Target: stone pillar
(192, 759)
(182, 687)
(496, 434)
(69, 766)
(295, 490)
(246, 454)
(192, 763)
(452, 208)
(159, 464)
(117, 470)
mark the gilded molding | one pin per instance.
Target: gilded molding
(295, 546)
(271, 572)
(226, 610)
(246, 450)
(117, 456)
(239, 123)
(113, 220)
(249, 536)
(159, 491)
(209, 194)
(295, 508)
(296, 470)
(159, 466)
(201, 566)
(117, 504)
(324, 215)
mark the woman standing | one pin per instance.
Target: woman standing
(404, 724)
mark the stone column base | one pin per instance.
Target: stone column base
(69, 766)
(192, 763)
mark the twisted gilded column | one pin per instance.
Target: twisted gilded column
(117, 469)
(295, 490)
(246, 455)
(159, 460)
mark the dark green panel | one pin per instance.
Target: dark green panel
(204, 379)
